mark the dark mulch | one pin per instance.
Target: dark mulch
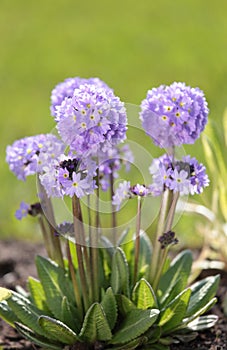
(17, 263)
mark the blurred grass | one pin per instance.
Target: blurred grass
(131, 45)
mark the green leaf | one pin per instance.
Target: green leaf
(120, 273)
(173, 314)
(125, 305)
(109, 305)
(35, 338)
(134, 344)
(199, 312)
(55, 284)
(202, 292)
(4, 294)
(7, 314)
(143, 295)
(203, 322)
(70, 315)
(137, 322)
(95, 326)
(37, 294)
(175, 278)
(57, 330)
(26, 312)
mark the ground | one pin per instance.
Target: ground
(17, 263)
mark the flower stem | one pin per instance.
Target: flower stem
(74, 280)
(137, 240)
(168, 226)
(164, 209)
(55, 246)
(79, 251)
(114, 218)
(46, 237)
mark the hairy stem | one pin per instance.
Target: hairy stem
(164, 209)
(137, 240)
(79, 251)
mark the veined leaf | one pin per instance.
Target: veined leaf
(95, 326)
(26, 312)
(202, 292)
(55, 284)
(70, 315)
(120, 273)
(173, 314)
(176, 275)
(109, 305)
(4, 294)
(57, 330)
(37, 339)
(7, 314)
(125, 305)
(37, 294)
(199, 312)
(136, 323)
(143, 295)
(202, 322)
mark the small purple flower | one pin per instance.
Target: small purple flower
(22, 212)
(93, 119)
(121, 193)
(69, 176)
(125, 191)
(140, 190)
(30, 155)
(76, 186)
(186, 176)
(66, 89)
(174, 115)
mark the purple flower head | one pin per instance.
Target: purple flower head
(174, 115)
(22, 212)
(125, 191)
(111, 161)
(140, 190)
(30, 155)
(93, 119)
(68, 177)
(66, 89)
(186, 176)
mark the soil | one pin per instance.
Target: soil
(17, 263)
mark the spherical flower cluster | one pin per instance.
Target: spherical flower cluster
(111, 161)
(174, 115)
(68, 177)
(67, 87)
(29, 155)
(125, 191)
(186, 176)
(92, 119)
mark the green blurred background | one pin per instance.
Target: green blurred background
(131, 45)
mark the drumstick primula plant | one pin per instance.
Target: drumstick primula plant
(93, 291)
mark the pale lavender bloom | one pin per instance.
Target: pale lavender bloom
(121, 193)
(77, 186)
(69, 176)
(126, 191)
(93, 119)
(186, 176)
(140, 190)
(66, 89)
(30, 155)
(174, 115)
(22, 212)
(180, 181)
